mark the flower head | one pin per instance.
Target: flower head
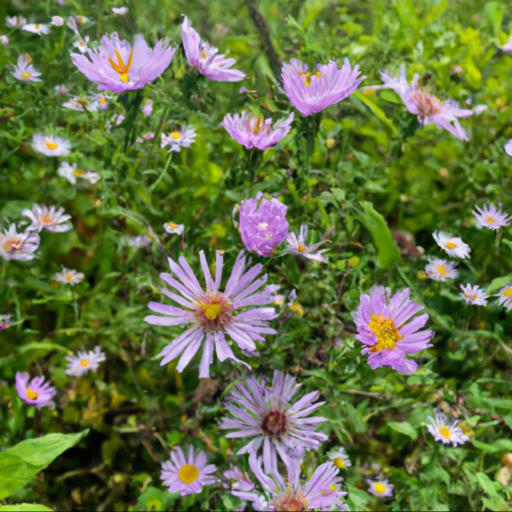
(120, 11)
(49, 218)
(270, 421)
(380, 487)
(36, 28)
(441, 270)
(173, 228)
(5, 321)
(34, 391)
(298, 245)
(508, 147)
(4, 39)
(18, 246)
(473, 294)
(25, 71)
(452, 245)
(488, 216)
(187, 474)
(147, 109)
(340, 458)
(236, 480)
(238, 311)
(117, 66)
(255, 131)
(68, 276)
(262, 224)
(390, 329)
(505, 297)
(313, 91)
(60, 90)
(71, 172)
(82, 44)
(137, 241)
(57, 21)
(178, 139)
(322, 491)
(428, 108)
(15, 21)
(50, 145)
(83, 362)
(445, 430)
(207, 59)
(507, 47)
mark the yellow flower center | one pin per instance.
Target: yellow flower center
(262, 226)
(445, 432)
(102, 101)
(450, 245)
(120, 67)
(176, 135)
(172, 225)
(470, 296)
(12, 244)
(69, 277)
(31, 394)
(213, 310)
(301, 248)
(508, 292)
(78, 172)
(441, 270)
(50, 145)
(339, 462)
(307, 75)
(297, 308)
(385, 331)
(188, 474)
(379, 488)
(46, 219)
(37, 26)
(25, 75)
(489, 220)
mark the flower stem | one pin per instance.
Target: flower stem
(163, 173)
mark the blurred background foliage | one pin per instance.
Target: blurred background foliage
(368, 148)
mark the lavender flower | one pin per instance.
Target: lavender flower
(507, 47)
(297, 245)
(262, 224)
(269, 421)
(452, 245)
(25, 71)
(173, 228)
(49, 218)
(178, 139)
(207, 59)
(441, 270)
(255, 131)
(380, 487)
(68, 276)
(36, 28)
(57, 21)
(505, 297)
(15, 21)
(428, 108)
(237, 480)
(147, 109)
(212, 313)
(508, 147)
(488, 216)
(118, 66)
(120, 11)
(82, 362)
(473, 294)
(187, 474)
(313, 91)
(137, 241)
(321, 492)
(50, 145)
(445, 430)
(36, 392)
(5, 321)
(390, 329)
(71, 172)
(18, 246)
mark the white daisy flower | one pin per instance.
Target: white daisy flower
(81, 104)
(380, 487)
(36, 28)
(452, 245)
(178, 139)
(68, 276)
(505, 297)
(298, 245)
(25, 71)
(120, 11)
(71, 172)
(82, 44)
(340, 458)
(51, 218)
(18, 246)
(441, 270)
(488, 216)
(473, 294)
(50, 145)
(445, 430)
(57, 21)
(173, 228)
(83, 362)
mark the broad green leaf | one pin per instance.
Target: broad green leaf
(498, 283)
(487, 485)
(21, 463)
(403, 427)
(374, 222)
(28, 507)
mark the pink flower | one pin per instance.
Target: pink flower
(34, 392)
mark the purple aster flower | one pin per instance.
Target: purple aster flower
(25, 71)
(18, 246)
(36, 392)
(488, 216)
(390, 329)
(5, 322)
(473, 294)
(321, 492)
(297, 245)
(50, 218)
(508, 147)
(211, 313)
(255, 131)
(82, 362)
(445, 430)
(262, 224)
(178, 139)
(207, 59)
(117, 66)
(236, 480)
(441, 270)
(313, 91)
(505, 297)
(187, 474)
(380, 487)
(270, 421)
(428, 108)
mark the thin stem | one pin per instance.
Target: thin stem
(163, 173)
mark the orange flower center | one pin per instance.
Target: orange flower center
(46, 219)
(31, 394)
(120, 67)
(445, 432)
(50, 145)
(489, 220)
(427, 104)
(12, 244)
(176, 135)
(450, 245)
(84, 363)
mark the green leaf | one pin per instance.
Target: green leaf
(498, 283)
(21, 463)
(374, 222)
(376, 110)
(28, 507)
(403, 427)
(487, 485)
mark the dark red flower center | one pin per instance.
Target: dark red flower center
(274, 424)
